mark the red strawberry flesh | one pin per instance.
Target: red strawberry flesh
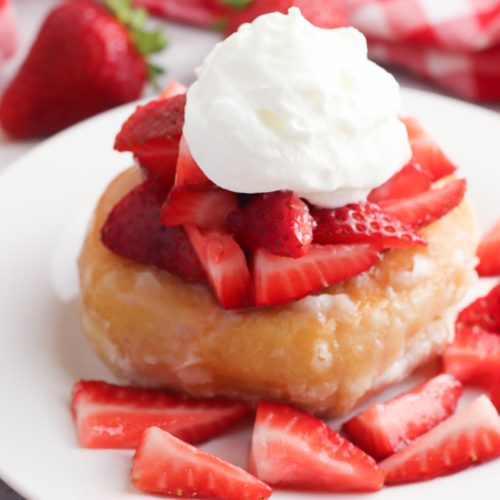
(484, 312)
(153, 134)
(166, 465)
(112, 416)
(133, 230)
(410, 180)
(188, 174)
(225, 265)
(489, 252)
(383, 429)
(363, 223)
(292, 449)
(278, 280)
(279, 221)
(467, 438)
(426, 153)
(203, 209)
(424, 208)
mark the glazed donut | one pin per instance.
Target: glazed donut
(323, 353)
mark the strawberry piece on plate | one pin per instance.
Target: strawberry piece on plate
(424, 208)
(188, 174)
(173, 89)
(279, 280)
(225, 265)
(383, 429)
(153, 134)
(322, 13)
(166, 465)
(469, 437)
(363, 223)
(113, 416)
(292, 449)
(489, 252)
(203, 209)
(8, 30)
(484, 312)
(426, 153)
(279, 221)
(474, 356)
(134, 231)
(410, 180)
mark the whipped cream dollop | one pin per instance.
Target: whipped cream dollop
(282, 104)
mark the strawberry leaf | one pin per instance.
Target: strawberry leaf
(236, 4)
(145, 41)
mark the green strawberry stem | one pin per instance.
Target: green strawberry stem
(236, 4)
(145, 41)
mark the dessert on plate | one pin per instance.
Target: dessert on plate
(285, 235)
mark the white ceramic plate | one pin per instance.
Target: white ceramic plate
(45, 201)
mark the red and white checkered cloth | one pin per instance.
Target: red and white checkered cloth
(454, 43)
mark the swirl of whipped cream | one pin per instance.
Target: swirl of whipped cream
(282, 104)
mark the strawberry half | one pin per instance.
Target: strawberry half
(113, 416)
(426, 153)
(424, 208)
(363, 223)
(469, 437)
(383, 429)
(153, 133)
(278, 280)
(322, 13)
(166, 465)
(484, 312)
(134, 230)
(409, 181)
(474, 356)
(489, 252)
(225, 265)
(292, 449)
(188, 174)
(203, 209)
(279, 221)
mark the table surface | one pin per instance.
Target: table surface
(194, 43)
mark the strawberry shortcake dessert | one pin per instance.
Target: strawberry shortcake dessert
(285, 235)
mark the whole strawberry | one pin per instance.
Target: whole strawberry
(87, 58)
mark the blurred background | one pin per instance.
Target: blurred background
(450, 47)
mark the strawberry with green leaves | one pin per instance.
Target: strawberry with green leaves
(88, 57)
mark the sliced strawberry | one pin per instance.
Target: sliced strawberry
(153, 133)
(410, 180)
(495, 394)
(484, 312)
(489, 253)
(113, 416)
(426, 153)
(292, 449)
(164, 464)
(424, 208)
(134, 230)
(279, 280)
(203, 209)
(363, 223)
(172, 89)
(225, 265)
(279, 222)
(189, 175)
(383, 429)
(474, 356)
(469, 437)
(322, 13)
